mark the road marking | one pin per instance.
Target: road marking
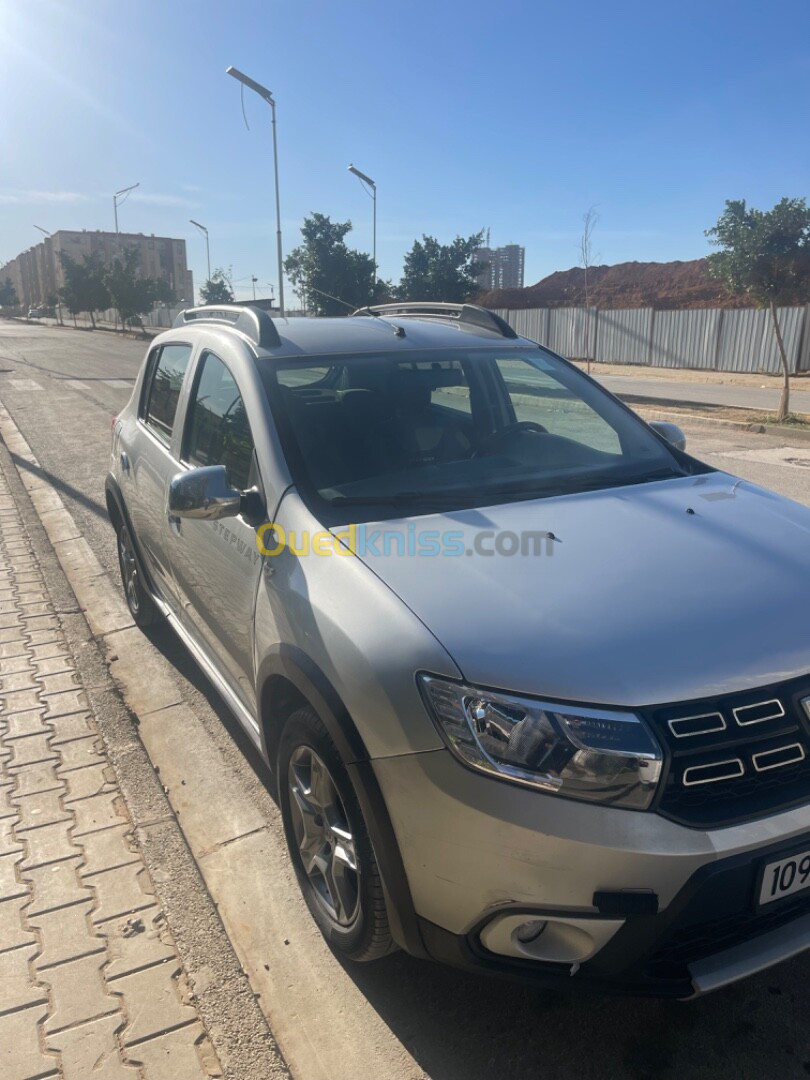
(119, 384)
(76, 384)
(24, 384)
(792, 457)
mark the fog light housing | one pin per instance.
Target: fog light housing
(552, 940)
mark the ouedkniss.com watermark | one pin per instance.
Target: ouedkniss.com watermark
(272, 539)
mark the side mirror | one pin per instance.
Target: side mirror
(204, 494)
(671, 432)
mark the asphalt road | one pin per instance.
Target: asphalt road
(62, 389)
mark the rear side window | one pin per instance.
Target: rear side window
(218, 432)
(163, 391)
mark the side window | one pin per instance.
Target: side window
(218, 432)
(163, 391)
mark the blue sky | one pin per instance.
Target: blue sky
(512, 116)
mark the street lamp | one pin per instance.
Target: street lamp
(267, 96)
(367, 180)
(124, 191)
(203, 229)
(43, 231)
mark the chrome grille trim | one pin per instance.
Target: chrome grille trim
(735, 770)
(777, 714)
(760, 759)
(719, 725)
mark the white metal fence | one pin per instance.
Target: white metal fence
(712, 339)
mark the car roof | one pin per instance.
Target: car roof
(430, 327)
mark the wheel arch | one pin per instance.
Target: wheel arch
(288, 679)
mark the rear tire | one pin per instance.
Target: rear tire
(140, 603)
(329, 843)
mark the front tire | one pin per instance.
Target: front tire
(140, 603)
(329, 843)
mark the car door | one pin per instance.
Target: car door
(151, 461)
(217, 564)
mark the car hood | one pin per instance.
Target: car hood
(652, 593)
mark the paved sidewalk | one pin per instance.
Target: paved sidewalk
(91, 987)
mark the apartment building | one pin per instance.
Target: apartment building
(37, 273)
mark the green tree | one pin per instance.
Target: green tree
(435, 271)
(330, 277)
(131, 294)
(765, 254)
(52, 301)
(85, 288)
(8, 294)
(218, 289)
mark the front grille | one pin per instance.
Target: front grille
(704, 939)
(735, 758)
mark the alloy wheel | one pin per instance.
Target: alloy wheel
(325, 842)
(129, 569)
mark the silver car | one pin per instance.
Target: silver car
(534, 684)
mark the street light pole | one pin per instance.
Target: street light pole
(267, 96)
(367, 180)
(124, 191)
(203, 229)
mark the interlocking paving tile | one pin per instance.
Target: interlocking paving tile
(19, 700)
(66, 934)
(16, 989)
(153, 1003)
(40, 776)
(121, 892)
(15, 663)
(97, 812)
(55, 886)
(30, 722)
(56, 684)
(20, 1054)
(75, 726)
(10, 883)
(18, 680)
(52, 665)
(90, 1052)
(13, 933)
(79, 753)
(136, 942)
(69, 701)
(36, 811)
(34, 748)
(106, 849)
(91, 780)
(48, 845)
(177, 1054)
(78, 993)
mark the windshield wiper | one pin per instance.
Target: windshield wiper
(516, 491)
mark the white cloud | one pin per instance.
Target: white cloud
(31, 198)
(159, 199)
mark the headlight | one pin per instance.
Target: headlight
(595, 754)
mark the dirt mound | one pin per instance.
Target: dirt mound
(625, 285)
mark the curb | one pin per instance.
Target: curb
(785, 431)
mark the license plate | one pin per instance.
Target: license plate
(785, 877)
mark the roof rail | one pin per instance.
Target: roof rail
(471, 314)
(251, 321)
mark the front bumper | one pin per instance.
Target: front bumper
(476, 849)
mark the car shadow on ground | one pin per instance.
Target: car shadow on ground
(461, 1026)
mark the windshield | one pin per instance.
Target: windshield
(467, 427)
